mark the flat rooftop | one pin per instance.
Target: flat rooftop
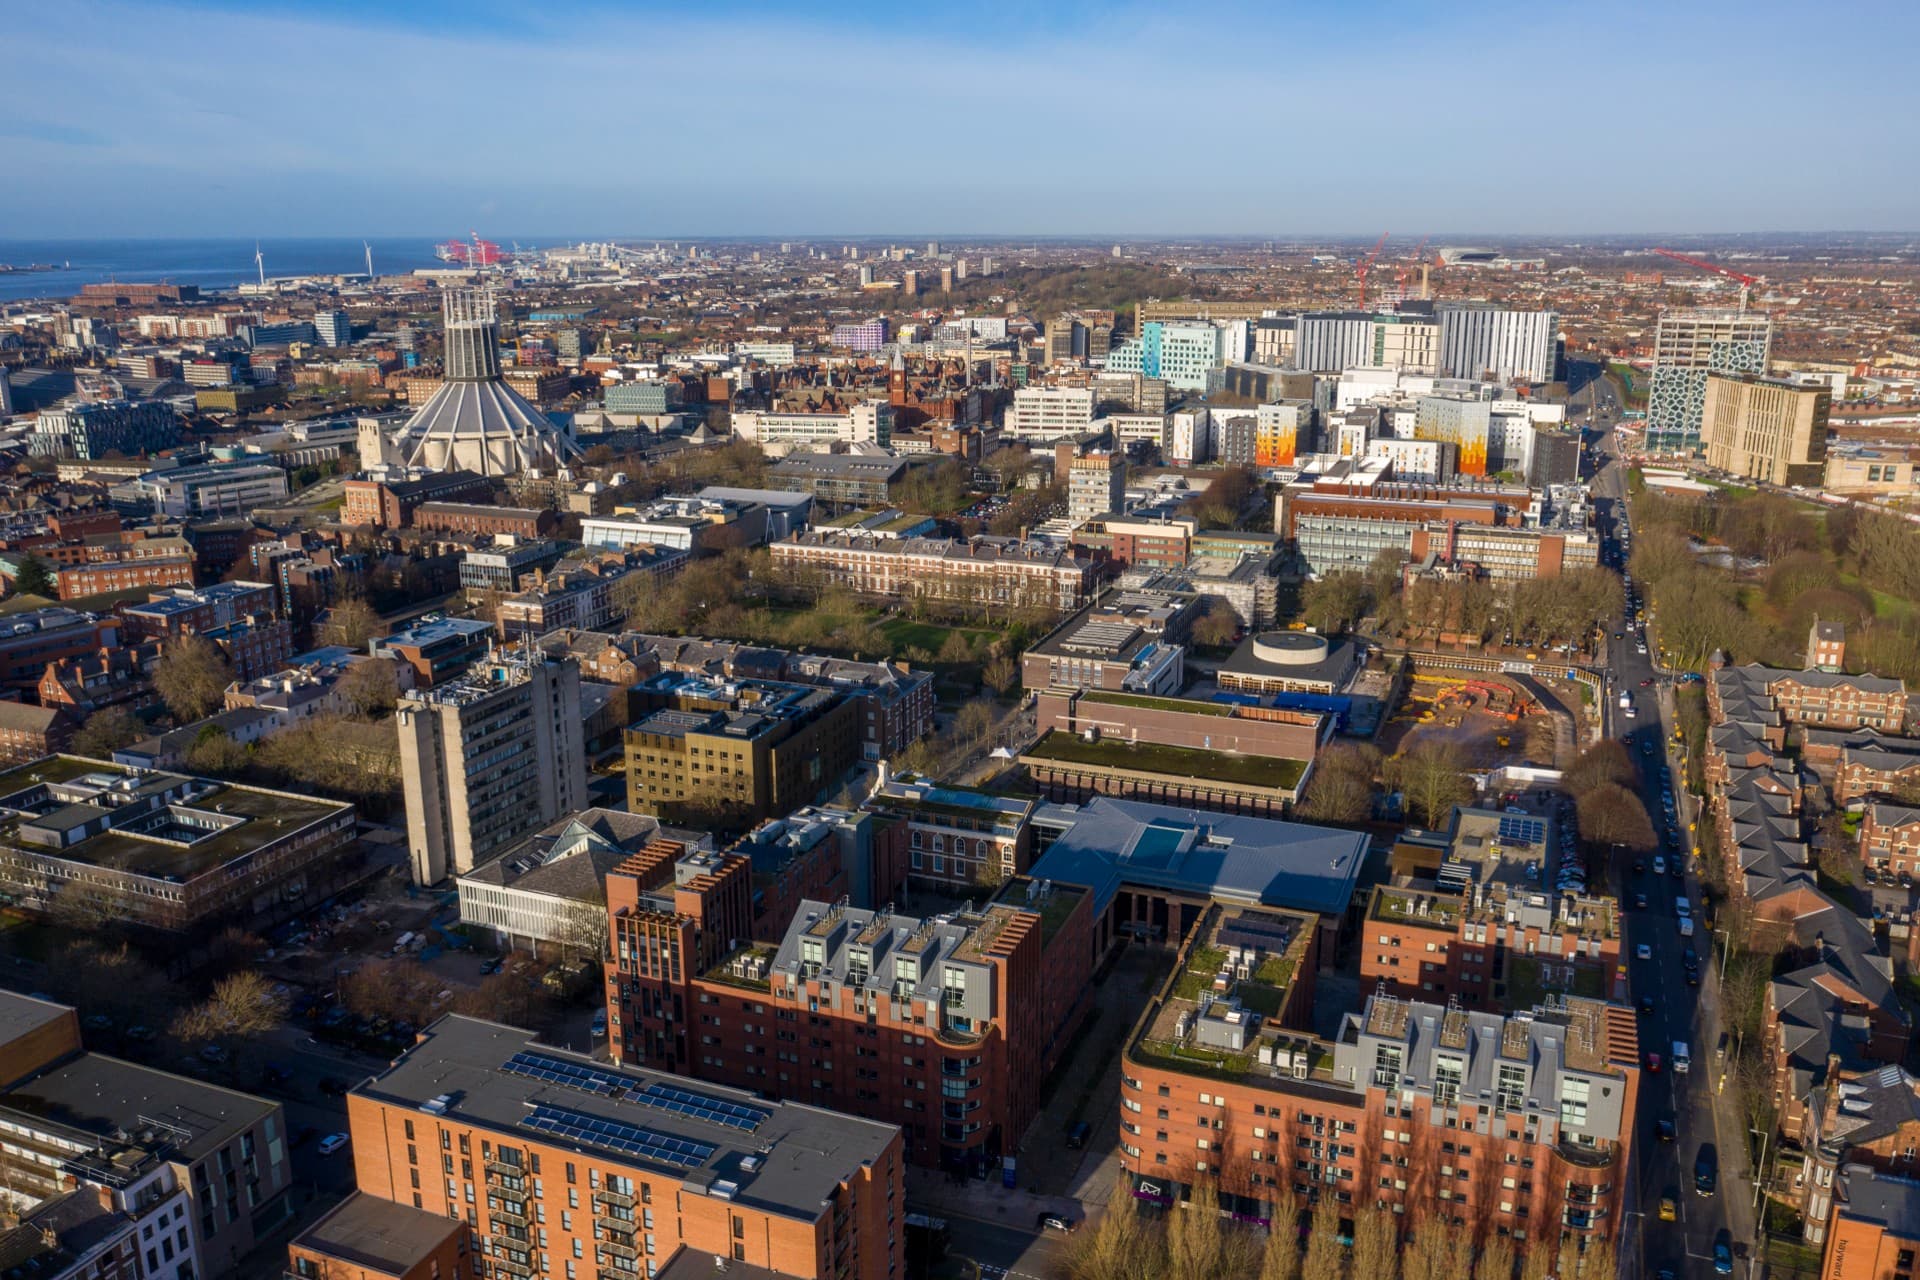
(783, 1157)
(100, 1096)
(1106, 843)
(1277, 772)
(206, 824)
(379, 1235)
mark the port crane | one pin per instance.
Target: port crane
(1365, 265)
(1746, 282)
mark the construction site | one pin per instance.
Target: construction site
(1495, 719)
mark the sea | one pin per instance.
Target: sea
(211, 264)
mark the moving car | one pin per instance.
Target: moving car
(1669, 1209)
(1643, 952)
(1706, 1170)
(1722, 1255)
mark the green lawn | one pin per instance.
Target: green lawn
(905, 633)
(1178, 762)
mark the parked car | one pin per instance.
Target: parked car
(333, 1086)
(1056, 1222)
(332, 1143)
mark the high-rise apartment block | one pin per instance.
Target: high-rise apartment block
(87, 432)
(1182, 353)
(1688, 345)
(1049, 412)
(333, 328)
(1096, 486)
(1333, 341)
(489, 759)
(541, 1157)
(1497, 343)
(1768, 429)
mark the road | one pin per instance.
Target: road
(1680, 1012)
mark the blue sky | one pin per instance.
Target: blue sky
(734, 118)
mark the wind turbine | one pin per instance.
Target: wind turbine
(368, 246)
(260, 263)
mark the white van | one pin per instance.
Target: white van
(1686, 926)
(1680, 1059)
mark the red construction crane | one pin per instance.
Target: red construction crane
(1746, 282)
(1366, 264)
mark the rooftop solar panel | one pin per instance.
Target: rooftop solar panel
(701, 1106)
(617, 1135)
(538, 1066)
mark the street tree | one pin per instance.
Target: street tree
(1609, 814)
(1376, 1253)
(1326, 1258)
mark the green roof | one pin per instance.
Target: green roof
(1149, 703)
(1277, 772)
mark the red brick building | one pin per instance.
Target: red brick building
(98, 577)
(390, 504)
(1461, 919)
(29, 732)
(1512, 1127)
(547, 1162)
(945, 1026)
(483, 518)
(1890, 840)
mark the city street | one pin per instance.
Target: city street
(1682, 1013)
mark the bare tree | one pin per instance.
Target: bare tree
(1121, 1245)
(1604, 762)
(581, 933)
(351, 622)
(1495, 1260)
(106, 731)
(1610, 814)
(191, 677)
(1436, 1251)
(1326, 1258)
(1341, 787)
(1432, 776)
(1000, 675)
(1376, 1254)
(1194, 1234)
(370, 687)
(86, 908)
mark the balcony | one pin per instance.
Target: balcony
(512, 1268)
(511, 1211)
(613, 1233)
(501, 1166)
(616, 1247)
(603, 1195)
(1585, 1157)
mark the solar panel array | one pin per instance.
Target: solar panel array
(1523, 830)
(538, 1066)
(617, 1135)
(701, 1106)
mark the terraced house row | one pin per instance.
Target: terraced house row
(1833, 1022)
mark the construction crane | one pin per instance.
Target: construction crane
(1366, 264)
(1746, 282)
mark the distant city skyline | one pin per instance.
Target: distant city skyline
(743, 120)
